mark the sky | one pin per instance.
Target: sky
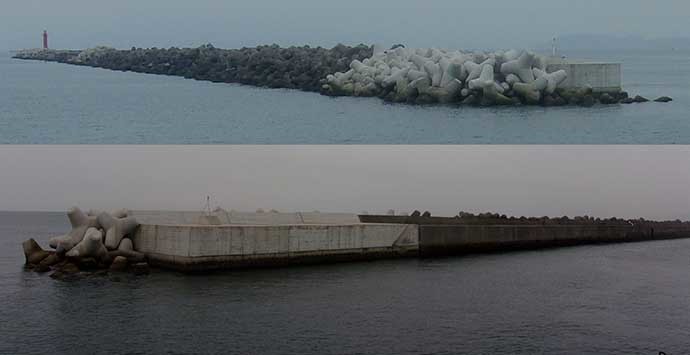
(466, 24)
(602, 181)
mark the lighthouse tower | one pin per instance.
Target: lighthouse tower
(45, 39)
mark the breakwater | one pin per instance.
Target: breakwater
(414, 76)
(488, 232)
(198, 241)
(300, 68)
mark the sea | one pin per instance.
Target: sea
(51, 103)
(603, 299)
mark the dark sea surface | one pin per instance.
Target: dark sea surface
(610, 299)
(58, 103)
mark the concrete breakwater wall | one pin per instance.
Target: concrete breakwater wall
(199, 241)
(196, 247)
(275, 239)
(462, 239)
(472, 233)
(414, 76)
(602, 77)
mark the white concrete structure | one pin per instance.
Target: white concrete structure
(191, 247)
(249, 218)
(601, 77)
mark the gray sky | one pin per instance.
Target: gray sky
(622, 181)
(233, 23)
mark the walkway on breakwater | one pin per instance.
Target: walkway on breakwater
(195, 241)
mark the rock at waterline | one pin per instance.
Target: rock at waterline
(33, 253)
(640, 99)
(119, 264)
(587, 101)
(50, 260)
(140, 268)
(66, 271)
(607, 99)
(664, 99)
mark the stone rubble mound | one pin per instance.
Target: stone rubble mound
(433, 75)
(413, 76)
(96, 240)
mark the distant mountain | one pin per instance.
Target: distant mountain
(580, 42)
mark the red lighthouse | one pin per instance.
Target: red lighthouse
(45, 39)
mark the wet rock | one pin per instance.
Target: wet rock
(66, 272)
(553, 100)
(640, 99)
(607, 99)
(33, 253)
(628, 100)
(68, 268)
(131, 256)
(588, 101)
(64, 276)
(119, 264)
(416, 214)
(140, 268)
(49, 261)
(426, 214)
(100, 273)
(587, 91)
(559, 101)
(663, 99)
(424, 99)
(87, 264)
(42, 268)
(471, 100)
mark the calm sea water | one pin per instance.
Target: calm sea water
(57, 103)
(612, 299)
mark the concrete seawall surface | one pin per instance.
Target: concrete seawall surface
(182, 241)
(459, 239)
(196, 247)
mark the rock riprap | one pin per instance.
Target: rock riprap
(96, 239)
(266, 66)
(435, 75)
(415, 76)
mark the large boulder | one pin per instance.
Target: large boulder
(521, 67)
(119, 264)
(588, 101)
(126, 249)
(80, 224)
(51, 260)
(640, 99)
(607, 99)
(553, 80)
(116, 228)
(90, 247)
(33, 253)
(140, 268)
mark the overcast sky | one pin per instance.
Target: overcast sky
(622, 181)
(232, 23)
